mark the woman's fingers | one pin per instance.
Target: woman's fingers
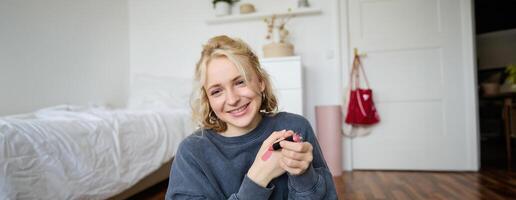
(294, 167)
(293, 163)
(277, 135)
(296, 155)
(274, 136)
(297, 146)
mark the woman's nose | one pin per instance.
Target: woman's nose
(232, 98)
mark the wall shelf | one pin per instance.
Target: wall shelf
(279, 59)
(261, 15)
(495, 68)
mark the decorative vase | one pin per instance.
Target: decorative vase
(275, 49)
(222, 8)
(246, 8)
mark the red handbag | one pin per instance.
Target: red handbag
(361, 109)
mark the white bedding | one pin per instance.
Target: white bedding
(68, 152)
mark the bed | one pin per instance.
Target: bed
(93, 152)
(68, 152)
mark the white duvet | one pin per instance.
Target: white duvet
(71, 152)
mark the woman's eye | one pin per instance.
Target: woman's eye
(240, 82)
(214, 92)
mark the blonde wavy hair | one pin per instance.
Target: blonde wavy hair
(246, 61)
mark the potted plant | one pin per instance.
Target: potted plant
(510, 81)
(277, 47)
(223, 7)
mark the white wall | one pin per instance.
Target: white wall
(166, 38)
(62, 51)
(78, 52)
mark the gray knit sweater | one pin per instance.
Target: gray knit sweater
(210, 166)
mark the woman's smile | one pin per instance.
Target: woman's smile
(242, 110)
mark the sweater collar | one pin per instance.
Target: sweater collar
(250, 136)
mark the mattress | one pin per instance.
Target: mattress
(71, 152)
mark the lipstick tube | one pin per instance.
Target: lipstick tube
(293, 138)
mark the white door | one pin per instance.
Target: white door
(420, 65)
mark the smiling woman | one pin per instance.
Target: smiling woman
(232, 98)
(229, 62)
(230, 156)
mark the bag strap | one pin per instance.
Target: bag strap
(355, 73)
(353, 76)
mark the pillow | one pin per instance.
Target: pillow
(159, 92)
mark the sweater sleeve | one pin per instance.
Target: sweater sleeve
(186, 177)
(251, 190)
(189, 179)
(317, 181)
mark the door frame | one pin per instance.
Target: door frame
(470, 78)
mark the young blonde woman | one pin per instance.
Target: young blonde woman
(231, 155)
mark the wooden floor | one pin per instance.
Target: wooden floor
(488, 184)
(426, 185)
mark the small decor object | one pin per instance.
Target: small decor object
(223, 7)
(361, 108)
(246, 8)
(303, 4)
(490, 89)
(510, 82)
(279, 47)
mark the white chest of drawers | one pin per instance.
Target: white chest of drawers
(287, 80)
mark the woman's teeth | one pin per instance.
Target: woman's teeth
(240, 109)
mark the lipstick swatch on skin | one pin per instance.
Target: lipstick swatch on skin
(267, 155)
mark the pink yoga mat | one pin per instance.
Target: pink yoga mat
(328, 128)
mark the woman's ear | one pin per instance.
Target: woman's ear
(262, 85)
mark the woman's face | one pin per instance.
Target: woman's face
(233, 100)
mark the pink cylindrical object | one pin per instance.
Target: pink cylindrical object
(328, 127)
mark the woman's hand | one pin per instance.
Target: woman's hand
(297, 156)
(263, 171)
